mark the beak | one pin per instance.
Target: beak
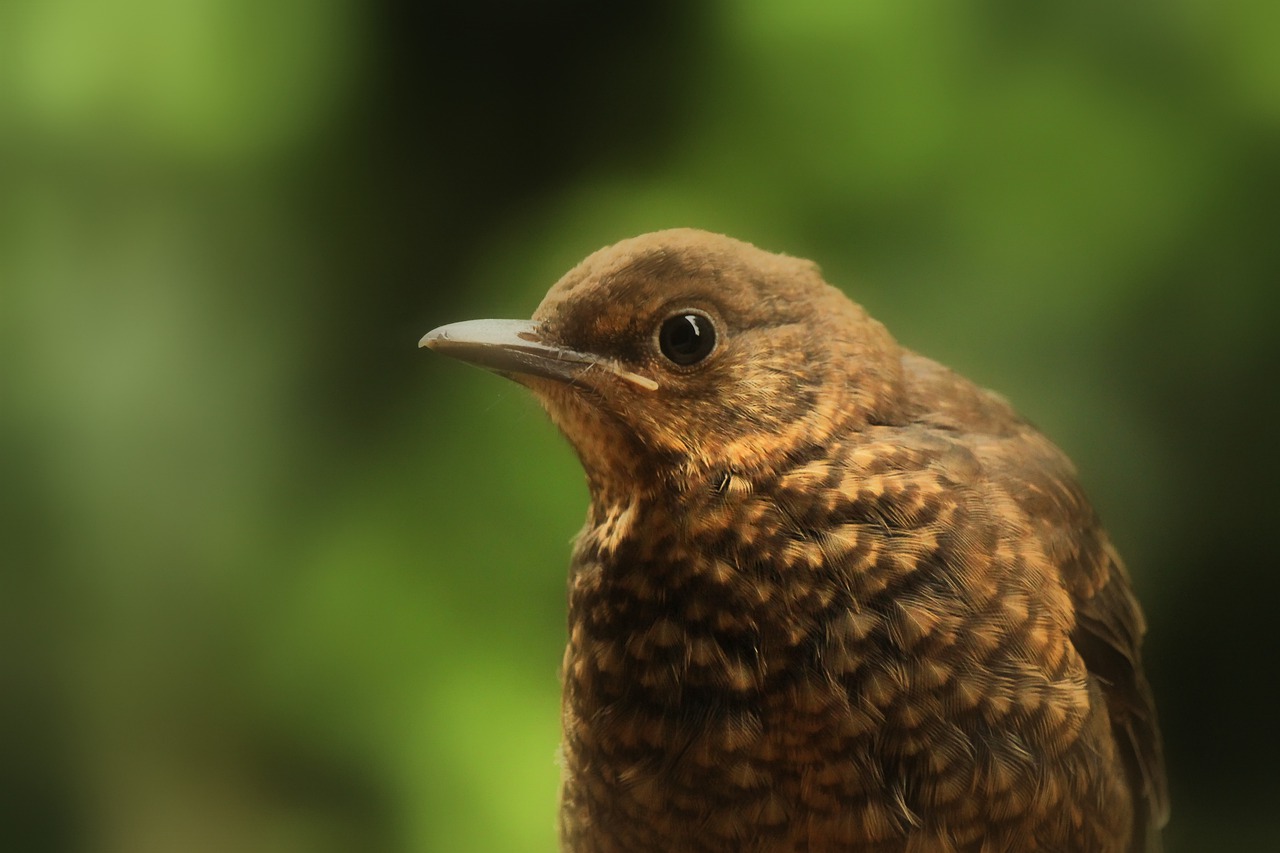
(506, 346)
(516, 347)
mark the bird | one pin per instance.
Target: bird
(829, 595)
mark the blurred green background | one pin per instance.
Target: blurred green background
(275, 580)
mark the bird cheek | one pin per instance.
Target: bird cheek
(661, 431)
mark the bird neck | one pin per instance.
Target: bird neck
(666, 570)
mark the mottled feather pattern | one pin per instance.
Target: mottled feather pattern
(841, 652)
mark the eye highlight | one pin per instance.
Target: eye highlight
(687, 337)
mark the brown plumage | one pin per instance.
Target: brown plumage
(830, 595)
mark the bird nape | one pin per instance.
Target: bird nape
(830, 595)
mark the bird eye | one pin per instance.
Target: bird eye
(687, 337)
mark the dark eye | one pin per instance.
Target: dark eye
(687, 337)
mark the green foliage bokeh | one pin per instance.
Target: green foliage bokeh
(275, 580)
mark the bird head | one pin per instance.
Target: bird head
(678, 353)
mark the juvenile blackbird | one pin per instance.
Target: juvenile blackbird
(830, 595)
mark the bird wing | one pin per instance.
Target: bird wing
(1109, 623)
(1109, 628)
